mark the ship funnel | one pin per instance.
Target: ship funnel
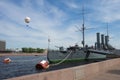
(98, 40)
(102, 41)
(106, 40)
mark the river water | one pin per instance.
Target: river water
(20, 65)
(24, 65)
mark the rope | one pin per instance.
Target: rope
(62, 60)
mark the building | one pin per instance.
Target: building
(2, 45)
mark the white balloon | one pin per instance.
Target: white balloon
(27, 19)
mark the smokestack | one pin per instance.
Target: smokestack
(98, 40)
(106, 40)
(95, 45)
(102, 40)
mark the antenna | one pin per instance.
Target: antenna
(83, 12)
(107, 28)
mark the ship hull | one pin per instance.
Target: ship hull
(75, 55)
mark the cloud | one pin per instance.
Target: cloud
(41, 26)
(108, 10)
(48, 19)
(71, 4)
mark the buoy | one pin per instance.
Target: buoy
(7, 60)
(42, 65)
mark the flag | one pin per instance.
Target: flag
(48, 40)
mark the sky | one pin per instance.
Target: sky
(58, 20)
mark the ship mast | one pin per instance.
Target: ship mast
(107, 29)
(83, 28)
(107, 32)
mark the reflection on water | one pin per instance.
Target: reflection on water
(20, 65)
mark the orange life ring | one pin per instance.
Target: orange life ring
(42, 65)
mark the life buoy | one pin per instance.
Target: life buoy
(42, 65)
(7, 60)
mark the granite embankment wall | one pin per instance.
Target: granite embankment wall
(83, 72)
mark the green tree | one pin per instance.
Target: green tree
(40, 50)
(25, 50)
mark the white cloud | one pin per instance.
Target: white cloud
(49, 20)
(71, 5)
(106, 11)
(41, 22)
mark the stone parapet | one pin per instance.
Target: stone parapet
(82, 72)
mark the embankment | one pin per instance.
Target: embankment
(83, 72)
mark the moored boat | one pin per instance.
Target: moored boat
(76, 53)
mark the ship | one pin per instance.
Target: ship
(101, 50)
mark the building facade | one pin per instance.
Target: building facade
(2, 45)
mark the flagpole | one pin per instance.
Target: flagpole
(48, 43)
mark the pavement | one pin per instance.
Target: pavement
(112, 74)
